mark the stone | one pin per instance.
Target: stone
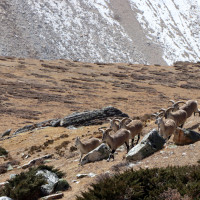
(81, 176)
(100, 153)
(10, 167)
(50, 122)
(6, 133)
(32, 162)
(184, 136)
(12, 176)
(94, 117)
(51, 179)
(78, 176)
(151, 143)
(5, 198)
(53, 196)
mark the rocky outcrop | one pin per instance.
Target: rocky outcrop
(6, 133)
(93, 117)
(100, 153)
(184, 136)
(151, 143)
(40, 159)
(51, 179)
(54, 184)
(86, 118)
(53, 196)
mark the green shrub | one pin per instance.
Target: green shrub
(147, 184)
(3, 152)
(26, 185)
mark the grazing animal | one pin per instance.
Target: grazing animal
(119, 138)
(134, 126)
(179, 116)
(190, 106)
(86, 146)
(166, 127)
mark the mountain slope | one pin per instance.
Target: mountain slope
(101, 31)
(33, 91)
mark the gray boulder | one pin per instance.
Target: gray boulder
(93, 117)
(151, 143)
(5, 198)
(184, 136)
(6, 133)
(100, 153)
(51, 178)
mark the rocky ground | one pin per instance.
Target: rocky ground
(36, 90)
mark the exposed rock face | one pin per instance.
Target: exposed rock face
(86, 118)
(184, 136)
(91, 117)
(32, 162)
(151, 143)
(51, 178)
(54, 184)
(6, 133)
(100, 153)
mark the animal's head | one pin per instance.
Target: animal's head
(123, 122)
(158, 120)
(176, 104)
(77, 140)
(105, 134)
(114, 123)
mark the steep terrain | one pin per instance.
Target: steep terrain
(159, 32)
(36, 90)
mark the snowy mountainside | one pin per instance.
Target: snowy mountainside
(173, 24)
(133, 31)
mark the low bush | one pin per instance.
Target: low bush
(147, 184)
(3, 152)
(26, 185)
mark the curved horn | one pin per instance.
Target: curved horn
(178, 102)
(154, 115)
(162, 110)
(172, 101)
(101, 130)
(169, 109)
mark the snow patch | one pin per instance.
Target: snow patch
(175, 25)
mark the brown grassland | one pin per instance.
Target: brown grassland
(36, 90)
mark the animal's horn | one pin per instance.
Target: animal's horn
(162, 110)
(178, 102)
(172, 101)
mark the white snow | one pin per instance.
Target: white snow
(83, 29)
(174, 24)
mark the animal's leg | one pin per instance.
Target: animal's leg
(127, 146)
(138, 138)
(111, 155)
(132, 143)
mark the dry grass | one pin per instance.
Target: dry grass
(35, 90)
